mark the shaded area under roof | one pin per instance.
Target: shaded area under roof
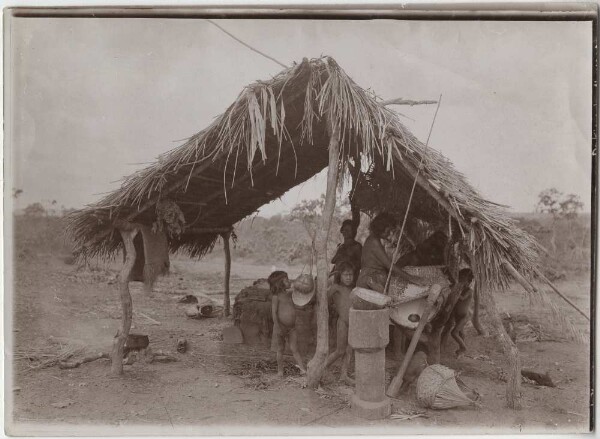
(274, 137)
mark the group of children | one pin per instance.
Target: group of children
(284, 317)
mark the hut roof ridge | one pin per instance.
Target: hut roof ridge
(269, 140)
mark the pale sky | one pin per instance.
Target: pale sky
(94, 98)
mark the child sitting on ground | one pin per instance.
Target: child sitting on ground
(284, 318)
(339, 294)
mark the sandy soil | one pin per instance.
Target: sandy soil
(215, 388)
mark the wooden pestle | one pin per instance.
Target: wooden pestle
(396, 383)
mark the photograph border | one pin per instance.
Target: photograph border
(526, 11)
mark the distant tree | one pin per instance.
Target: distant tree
(35, 210)
(549, 202)
(571, 206)
(562, 208)
(308, 213)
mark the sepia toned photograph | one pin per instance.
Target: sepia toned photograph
(221, 223)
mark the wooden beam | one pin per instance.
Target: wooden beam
(565, 298)
(116, 367)
(519, 278)
(226, 300)
(400, 101)
(317, 364)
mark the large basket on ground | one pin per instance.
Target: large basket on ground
(437, 389)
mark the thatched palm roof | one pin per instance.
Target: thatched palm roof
(274, 137)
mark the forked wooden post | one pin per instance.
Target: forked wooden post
(226, 299)
(513, 385)
(317, 364)
(116, 367)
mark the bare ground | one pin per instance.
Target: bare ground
(216, 388)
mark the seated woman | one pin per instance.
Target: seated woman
(429, 252)
(375, 262)
(350, 250)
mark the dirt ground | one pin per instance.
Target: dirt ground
(216, 388)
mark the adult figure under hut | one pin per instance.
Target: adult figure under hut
(375, 262)
(348, 251)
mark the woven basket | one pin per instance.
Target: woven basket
(437, 389)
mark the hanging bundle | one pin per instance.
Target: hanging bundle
(437, 389)
(305, 283)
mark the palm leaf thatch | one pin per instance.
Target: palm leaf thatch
(274, 137)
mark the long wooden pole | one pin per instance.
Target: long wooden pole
(226, 300)
(412, 192)
(116, 367)
(529, 287)
(317, 364)
(396, 383)
(551, 285)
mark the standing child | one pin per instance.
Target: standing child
(284, 318)
(339, 294)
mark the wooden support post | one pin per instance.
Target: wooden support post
(355, 173)
(476, 305)
(317, 364)
(226, 300)
(116, 367)
(513, 386)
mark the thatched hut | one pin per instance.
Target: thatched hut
(277, 134)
